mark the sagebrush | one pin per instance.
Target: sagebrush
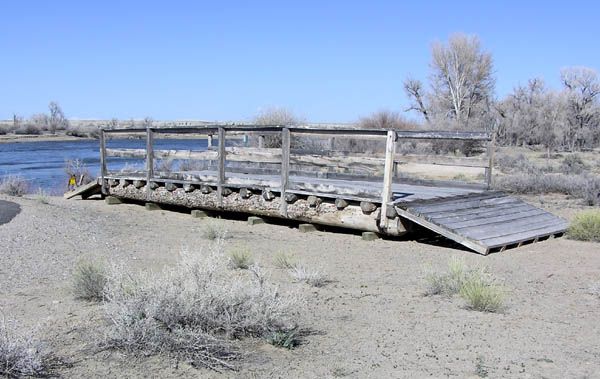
(309, 276)
(240, 259)
(89, 280)
(14, 185)
(585, 226)
(21, 354)
(195, 310)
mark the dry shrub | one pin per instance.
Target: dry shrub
(275, 116)
(89, 280)
(311, 277)
(213, 232)
(14, 185)
(240, 259)
(196, 309)
(284, 261)
(585, 226)
(21, 354)
(42, 196)
(586, 187)
(78, 169)
(448, 283)
(573, 164)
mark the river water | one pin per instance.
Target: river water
(43, 163)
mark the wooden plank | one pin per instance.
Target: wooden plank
(221, 166)
(103, 170)
(85, 190)
(486, 220)
(473, 245)
(445, 206)
(477, 213)
(506, 229)
(388, 174)
(149, 160)
(448, 135)
(511, 239)
(285, 168)
(442, 160)
(488, 170)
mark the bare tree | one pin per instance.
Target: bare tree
(462, 85)
(113, 123)
(147, 122)
(462, 77)
(582, 90)
(56, 119)
(415, 92)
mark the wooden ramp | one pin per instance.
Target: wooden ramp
(85, 190)
(483, 221)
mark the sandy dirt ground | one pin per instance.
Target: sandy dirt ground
(371, 321)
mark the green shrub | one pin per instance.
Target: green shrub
(89, 280)
(585, 226)
(287, 339)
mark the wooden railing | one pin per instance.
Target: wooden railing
(387, 163)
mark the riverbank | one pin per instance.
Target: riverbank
(370, 320)
(16, 138)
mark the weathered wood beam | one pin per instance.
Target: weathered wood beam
(285, 168)
(103, 161)
(221, 166)
(388, 173)
(149, 159)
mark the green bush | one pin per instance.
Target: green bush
(585, 226)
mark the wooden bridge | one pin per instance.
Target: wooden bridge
(344, 177)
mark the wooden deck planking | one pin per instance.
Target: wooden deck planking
(476, 220)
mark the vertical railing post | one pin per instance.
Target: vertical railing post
(285, 168)
(149, 160)
(388, 173)
(489, 169)
(103, 162)
(209, 141)
(221, 166)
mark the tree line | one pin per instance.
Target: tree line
(460, 95)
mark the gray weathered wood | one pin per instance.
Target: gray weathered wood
(285, 168)
(488, 170)
(221, 166)
(388, 174)
(149, 159)
(103, 162)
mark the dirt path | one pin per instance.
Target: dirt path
(370, 321)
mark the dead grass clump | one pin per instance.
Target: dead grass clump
(311, 277)
(195, 310)
(89, 280)
(585, 226)
(14, 185)
(213, 232)
(240, 259)
(42, 196)
(21, 354)
(284, 261)
(448, 283)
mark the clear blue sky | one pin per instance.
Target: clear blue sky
(225, 60)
